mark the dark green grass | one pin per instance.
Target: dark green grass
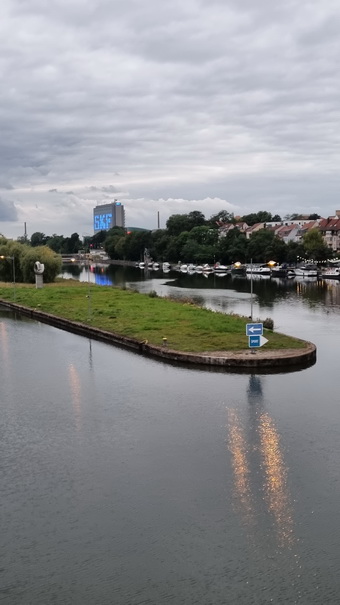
(186, 326)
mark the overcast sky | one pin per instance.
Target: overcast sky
(168, 106)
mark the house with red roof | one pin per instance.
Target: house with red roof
(330, 230)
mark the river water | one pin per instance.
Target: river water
(125, 480)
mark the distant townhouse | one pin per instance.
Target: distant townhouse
(288, 233)
(254, 228)
(303, 229)
(242, 226)
(330, 230)
(224, 229)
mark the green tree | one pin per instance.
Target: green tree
(55, 242)
(160, 241)
(257, 217)
(44, 255)
(177, 223)
(72, 244)
(135, 244)
(260, 246)
(176, 245)
(232, 248)
(223, 217)
(38, 239)
(314, 245)
(294, 250)
(12, 253)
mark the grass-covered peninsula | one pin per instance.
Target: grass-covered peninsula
(186, 327)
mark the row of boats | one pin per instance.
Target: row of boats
(262, 270)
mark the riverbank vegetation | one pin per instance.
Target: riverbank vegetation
(17, 261)
(184, 325)
(193, 238)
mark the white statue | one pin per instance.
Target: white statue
(39, 270)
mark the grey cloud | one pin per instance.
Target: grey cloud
(8, 211)
(171, 99)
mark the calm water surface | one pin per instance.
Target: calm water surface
(128, 481)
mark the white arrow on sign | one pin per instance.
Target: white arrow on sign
(253, 329)
(263, 341)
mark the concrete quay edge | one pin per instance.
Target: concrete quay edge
(250, 359)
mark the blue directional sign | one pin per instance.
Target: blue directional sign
(254, 330)
(254, 341)
(257, 341)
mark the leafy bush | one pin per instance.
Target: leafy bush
(44, 255)
(268, 323)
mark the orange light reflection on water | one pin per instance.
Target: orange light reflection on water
(275, 480)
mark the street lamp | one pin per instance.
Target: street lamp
(85, 235)
(13, 270)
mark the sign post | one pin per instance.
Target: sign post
(254, 331)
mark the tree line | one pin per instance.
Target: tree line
(17, 261)
(193, 238)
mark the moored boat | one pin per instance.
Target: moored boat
(308, 270)
(238, 269)
(280, 271)
(331, 273)
(218, 268)
(258, 270)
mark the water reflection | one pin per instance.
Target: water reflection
(4, 346)
(275, 480)
(75, 387)
(219, 291)
(259, 470)
(237, 443)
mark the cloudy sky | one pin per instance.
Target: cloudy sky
(168, 106)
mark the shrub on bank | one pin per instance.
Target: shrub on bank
(268, 323)
(44, 255)
(21, 258)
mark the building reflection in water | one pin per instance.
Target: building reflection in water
(259, 471)
(75, 386)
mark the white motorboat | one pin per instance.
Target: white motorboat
(258, 270)
(306, 271)
(191, 269)
(166, 267)
(207, 268)
(218, 268)
(331, 273)
(155, 266)
(184, 268)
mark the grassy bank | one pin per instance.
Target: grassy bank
(186, 326)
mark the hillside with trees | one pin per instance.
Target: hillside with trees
(193, 238)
